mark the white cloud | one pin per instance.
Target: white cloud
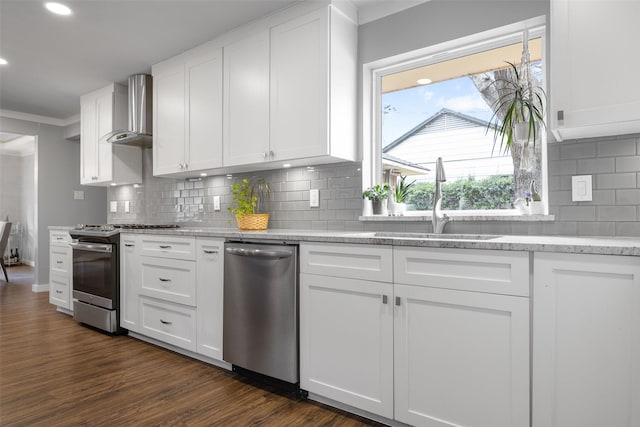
(465, 103)
(428, 96)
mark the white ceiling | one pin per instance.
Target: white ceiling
(55, 59)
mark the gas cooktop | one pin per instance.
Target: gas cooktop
(105, 230)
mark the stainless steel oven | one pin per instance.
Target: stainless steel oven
(96, 279)
(96, 273)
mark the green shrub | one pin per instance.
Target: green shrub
(495, 192)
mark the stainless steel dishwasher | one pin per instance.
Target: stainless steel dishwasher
(260, 329)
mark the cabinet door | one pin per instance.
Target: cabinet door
(88, 146)
(594, 38)
(168, 118)
(130, 275)
(104, 125)
(300, 87)
(204, 111)
(461, 358)
(209, 288)
(586, 340)
(346, 341)
(246, 100)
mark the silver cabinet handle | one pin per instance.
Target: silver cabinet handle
(259, 253)
(129, 245)
(58, 262)
(165, 322)
(271, 153)
(162, 279)
(59, 238)
(58, 291)
(398, 301)
(209, 252)
(384, 299)
(165, 246)
(264, 155)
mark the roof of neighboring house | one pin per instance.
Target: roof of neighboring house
(442, 120)
(404, 166)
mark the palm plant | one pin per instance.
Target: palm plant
(519, 102)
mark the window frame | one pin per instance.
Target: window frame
(373, 72)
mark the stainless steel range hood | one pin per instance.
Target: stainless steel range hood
(140, 118)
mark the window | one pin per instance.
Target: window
(438, 102)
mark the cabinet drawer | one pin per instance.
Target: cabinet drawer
(174, 247)
(497, 272)
(59, 238)
(171, 323)
(60, 259)
(168, 279)
(351, 261)
(59, 290)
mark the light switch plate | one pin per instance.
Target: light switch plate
(78, 195)
(216, 203)
(114, 206)
(126, 206)
(314, 198)
(581, 188)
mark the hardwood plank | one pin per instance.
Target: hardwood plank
(55, 372)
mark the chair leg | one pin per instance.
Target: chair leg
(4, 270)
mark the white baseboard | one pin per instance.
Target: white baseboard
(29, 262)
(40, 288)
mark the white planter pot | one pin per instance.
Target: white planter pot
(367, 208)
(397, 209)
(536, 208)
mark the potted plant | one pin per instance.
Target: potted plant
(518, 112)
(248, 196)
(534, 200)
(397, 205)
(378, 195)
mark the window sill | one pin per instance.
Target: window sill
(512, 216)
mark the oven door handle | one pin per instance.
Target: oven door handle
(92, 247)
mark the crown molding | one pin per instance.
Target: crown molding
(40, 119)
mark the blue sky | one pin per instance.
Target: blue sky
(412, 106)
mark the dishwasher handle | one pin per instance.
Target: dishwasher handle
(258, 253)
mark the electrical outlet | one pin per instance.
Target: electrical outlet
(216, 203)
(581, 188)
(114, 206)
(126, 206)
(314, 198)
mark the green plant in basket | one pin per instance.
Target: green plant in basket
(248, 196)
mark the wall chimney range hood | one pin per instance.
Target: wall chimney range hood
(140, 100)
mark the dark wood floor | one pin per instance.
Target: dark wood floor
(55, 372)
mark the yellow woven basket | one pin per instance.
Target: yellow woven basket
(253, 221)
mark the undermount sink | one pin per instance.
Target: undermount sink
(423, 236)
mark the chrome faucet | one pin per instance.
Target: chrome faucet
(438, 219)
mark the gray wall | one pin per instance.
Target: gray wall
(57, 175)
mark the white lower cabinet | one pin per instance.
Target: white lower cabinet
(346, 341)
(586, 340)
(172, 323)
(129, 281)
(460, 358)
(427, 355)
(210, 291)
(60, 270)
(171, 290)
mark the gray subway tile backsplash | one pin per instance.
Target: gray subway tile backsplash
(614, 164)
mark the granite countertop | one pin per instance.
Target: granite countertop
(565, 244)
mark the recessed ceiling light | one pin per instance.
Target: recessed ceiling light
(203, 174)
(424, 81)
(57, 8)
(113, 184)
(3, 61)
(286, 165)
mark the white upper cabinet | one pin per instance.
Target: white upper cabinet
(187, 112)
(246, 100)
(594, 68)
(102, 163)
(290, 92)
